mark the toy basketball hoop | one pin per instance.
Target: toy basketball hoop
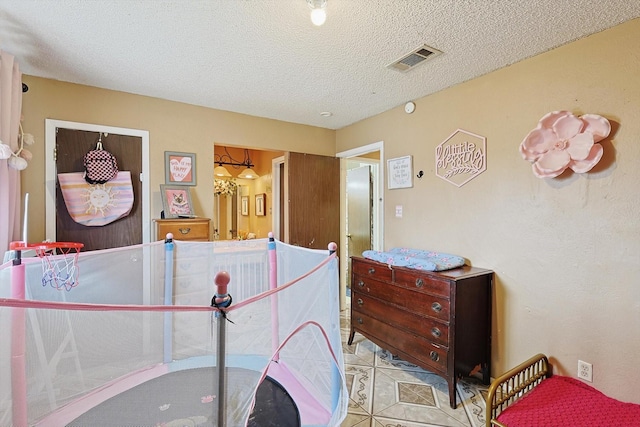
(59, 262)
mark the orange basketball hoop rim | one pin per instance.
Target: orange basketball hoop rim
(65, 247)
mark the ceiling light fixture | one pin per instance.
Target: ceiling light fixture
(221, 172)
(318, 11)
(248, 174)
(226, 159)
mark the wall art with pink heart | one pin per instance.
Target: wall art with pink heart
(180, 168)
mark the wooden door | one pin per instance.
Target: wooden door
(313, 200)
(359, 210)
(71, 146)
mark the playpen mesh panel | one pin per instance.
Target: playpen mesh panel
(5, 347)
(76, 356)
(67, 355)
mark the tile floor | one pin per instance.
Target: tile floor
(385, 391)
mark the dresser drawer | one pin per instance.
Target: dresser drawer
(416, 302)
(369, 269)
(426, 352)
(422, 283)
(425, 327)
(184, 229)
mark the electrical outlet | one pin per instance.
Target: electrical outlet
(585, 371)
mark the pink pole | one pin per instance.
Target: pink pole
(273, 284)
(18, 346)
(222, 299)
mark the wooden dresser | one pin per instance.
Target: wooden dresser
(195, 229)
(440, 321)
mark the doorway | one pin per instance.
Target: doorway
(141, 137)
(359, 201)
(371, 154)
(299, 194)
(234, 213)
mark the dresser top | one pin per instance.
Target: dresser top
(455, 273)
(193, 219)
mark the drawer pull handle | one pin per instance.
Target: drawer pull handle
(419, 282)
(372, 270)
(436, 306)
(360, 320)
(434, 356)
(184, 230)
(360, 302)
(361, 283)
(436, 332)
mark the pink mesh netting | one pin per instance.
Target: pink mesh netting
(121, 327)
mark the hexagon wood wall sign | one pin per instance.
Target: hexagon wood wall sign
(461, 157)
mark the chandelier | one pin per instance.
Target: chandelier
(226, 159)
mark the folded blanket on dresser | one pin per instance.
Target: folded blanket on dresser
(416, 258)
(564, 401)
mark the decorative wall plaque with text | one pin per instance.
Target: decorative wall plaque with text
(461, 157)
(400, 172)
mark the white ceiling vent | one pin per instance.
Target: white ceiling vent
(412, 59)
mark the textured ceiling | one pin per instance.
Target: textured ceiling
(265, 58)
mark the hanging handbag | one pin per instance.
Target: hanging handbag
(96, 204)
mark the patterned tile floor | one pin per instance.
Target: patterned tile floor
(385, 391)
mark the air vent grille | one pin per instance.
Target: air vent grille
(414, 58)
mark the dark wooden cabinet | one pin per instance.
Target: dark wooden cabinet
(440, 321)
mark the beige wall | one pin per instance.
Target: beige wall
(566, 251)
(172, 126)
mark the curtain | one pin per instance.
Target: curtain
(10, 109)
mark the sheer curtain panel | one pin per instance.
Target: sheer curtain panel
(10, 108)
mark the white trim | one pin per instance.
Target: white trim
(50, 171)
(365, 149)
(276, 194)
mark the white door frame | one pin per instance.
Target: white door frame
(50, 171)
(276, 193)
(378, 214)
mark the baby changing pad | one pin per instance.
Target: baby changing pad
(416, 258)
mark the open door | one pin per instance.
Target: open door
(371, 155)
(312, 200)
(359, 210)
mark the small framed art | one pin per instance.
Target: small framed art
(176, 201)
(179, 168)
(244, 208)
(400, 172)
(260, 204)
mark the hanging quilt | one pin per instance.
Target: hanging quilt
(95, 205)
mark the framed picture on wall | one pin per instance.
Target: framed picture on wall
(400, 172)
(260, 204)
(179, 168)
(244, 208)
(176, 201)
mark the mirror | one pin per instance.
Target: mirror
(228, 218)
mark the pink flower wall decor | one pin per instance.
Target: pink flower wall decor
(561, 140)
